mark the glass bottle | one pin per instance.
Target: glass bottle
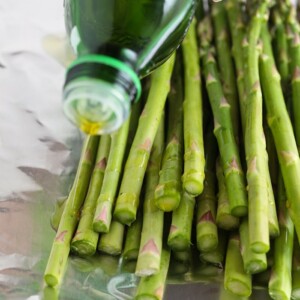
(117, 42)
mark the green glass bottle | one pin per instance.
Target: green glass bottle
(117, 42)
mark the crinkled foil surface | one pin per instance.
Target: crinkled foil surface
(39, 151)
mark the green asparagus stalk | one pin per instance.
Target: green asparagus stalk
(112, 241)
(238, 31)
(224, 219)
(272, 155)
(133, 238)
(85, 240)
(152, 287)
(296, 271)
(57, 213)
(254, 139)
(285, 7)
(253, 262)
(281, 48)
(148, 261)
(194, 163)
(236, 280)
(135, 167)
(168, 190)
(179, 238)
(217, 256)
(226, 66)
(271, 169)
(61, 245)
(280, 284)
(294, 53)
(106, 199)
(50, 293)
(206, 228)
(229, 153)
(281, 127)
(134, 119)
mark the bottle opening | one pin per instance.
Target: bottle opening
(96, 106)
(98, 93)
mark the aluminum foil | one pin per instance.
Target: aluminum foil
(39, 151)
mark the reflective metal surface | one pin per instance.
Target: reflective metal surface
(39, 150)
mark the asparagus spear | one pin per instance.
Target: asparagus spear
(296, 271)
(85, 240)
(133, 238)
(238, 31)
(135, 167)
(224, 219)
(57, 213)
(217, 256)
(281, 48)
(179, 238)
(106, 199)
(253, 262)
(206, 228)
(168, 190)
(226, 66)
(61, 245)
(112, 241)
(148, 261)
(152, 287)
(236, 280)
(294, 53)
(271, 170)
(280, 284)
(194, 163)
(254, 139)
(281, 127)
(229, 153)
(285, 7)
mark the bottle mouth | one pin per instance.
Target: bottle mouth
(96, 106)
(98, 93)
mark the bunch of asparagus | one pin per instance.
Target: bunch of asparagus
(206, 166)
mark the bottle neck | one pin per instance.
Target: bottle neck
(98, 93)
(108, 69)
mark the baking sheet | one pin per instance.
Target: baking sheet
(39, 151)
